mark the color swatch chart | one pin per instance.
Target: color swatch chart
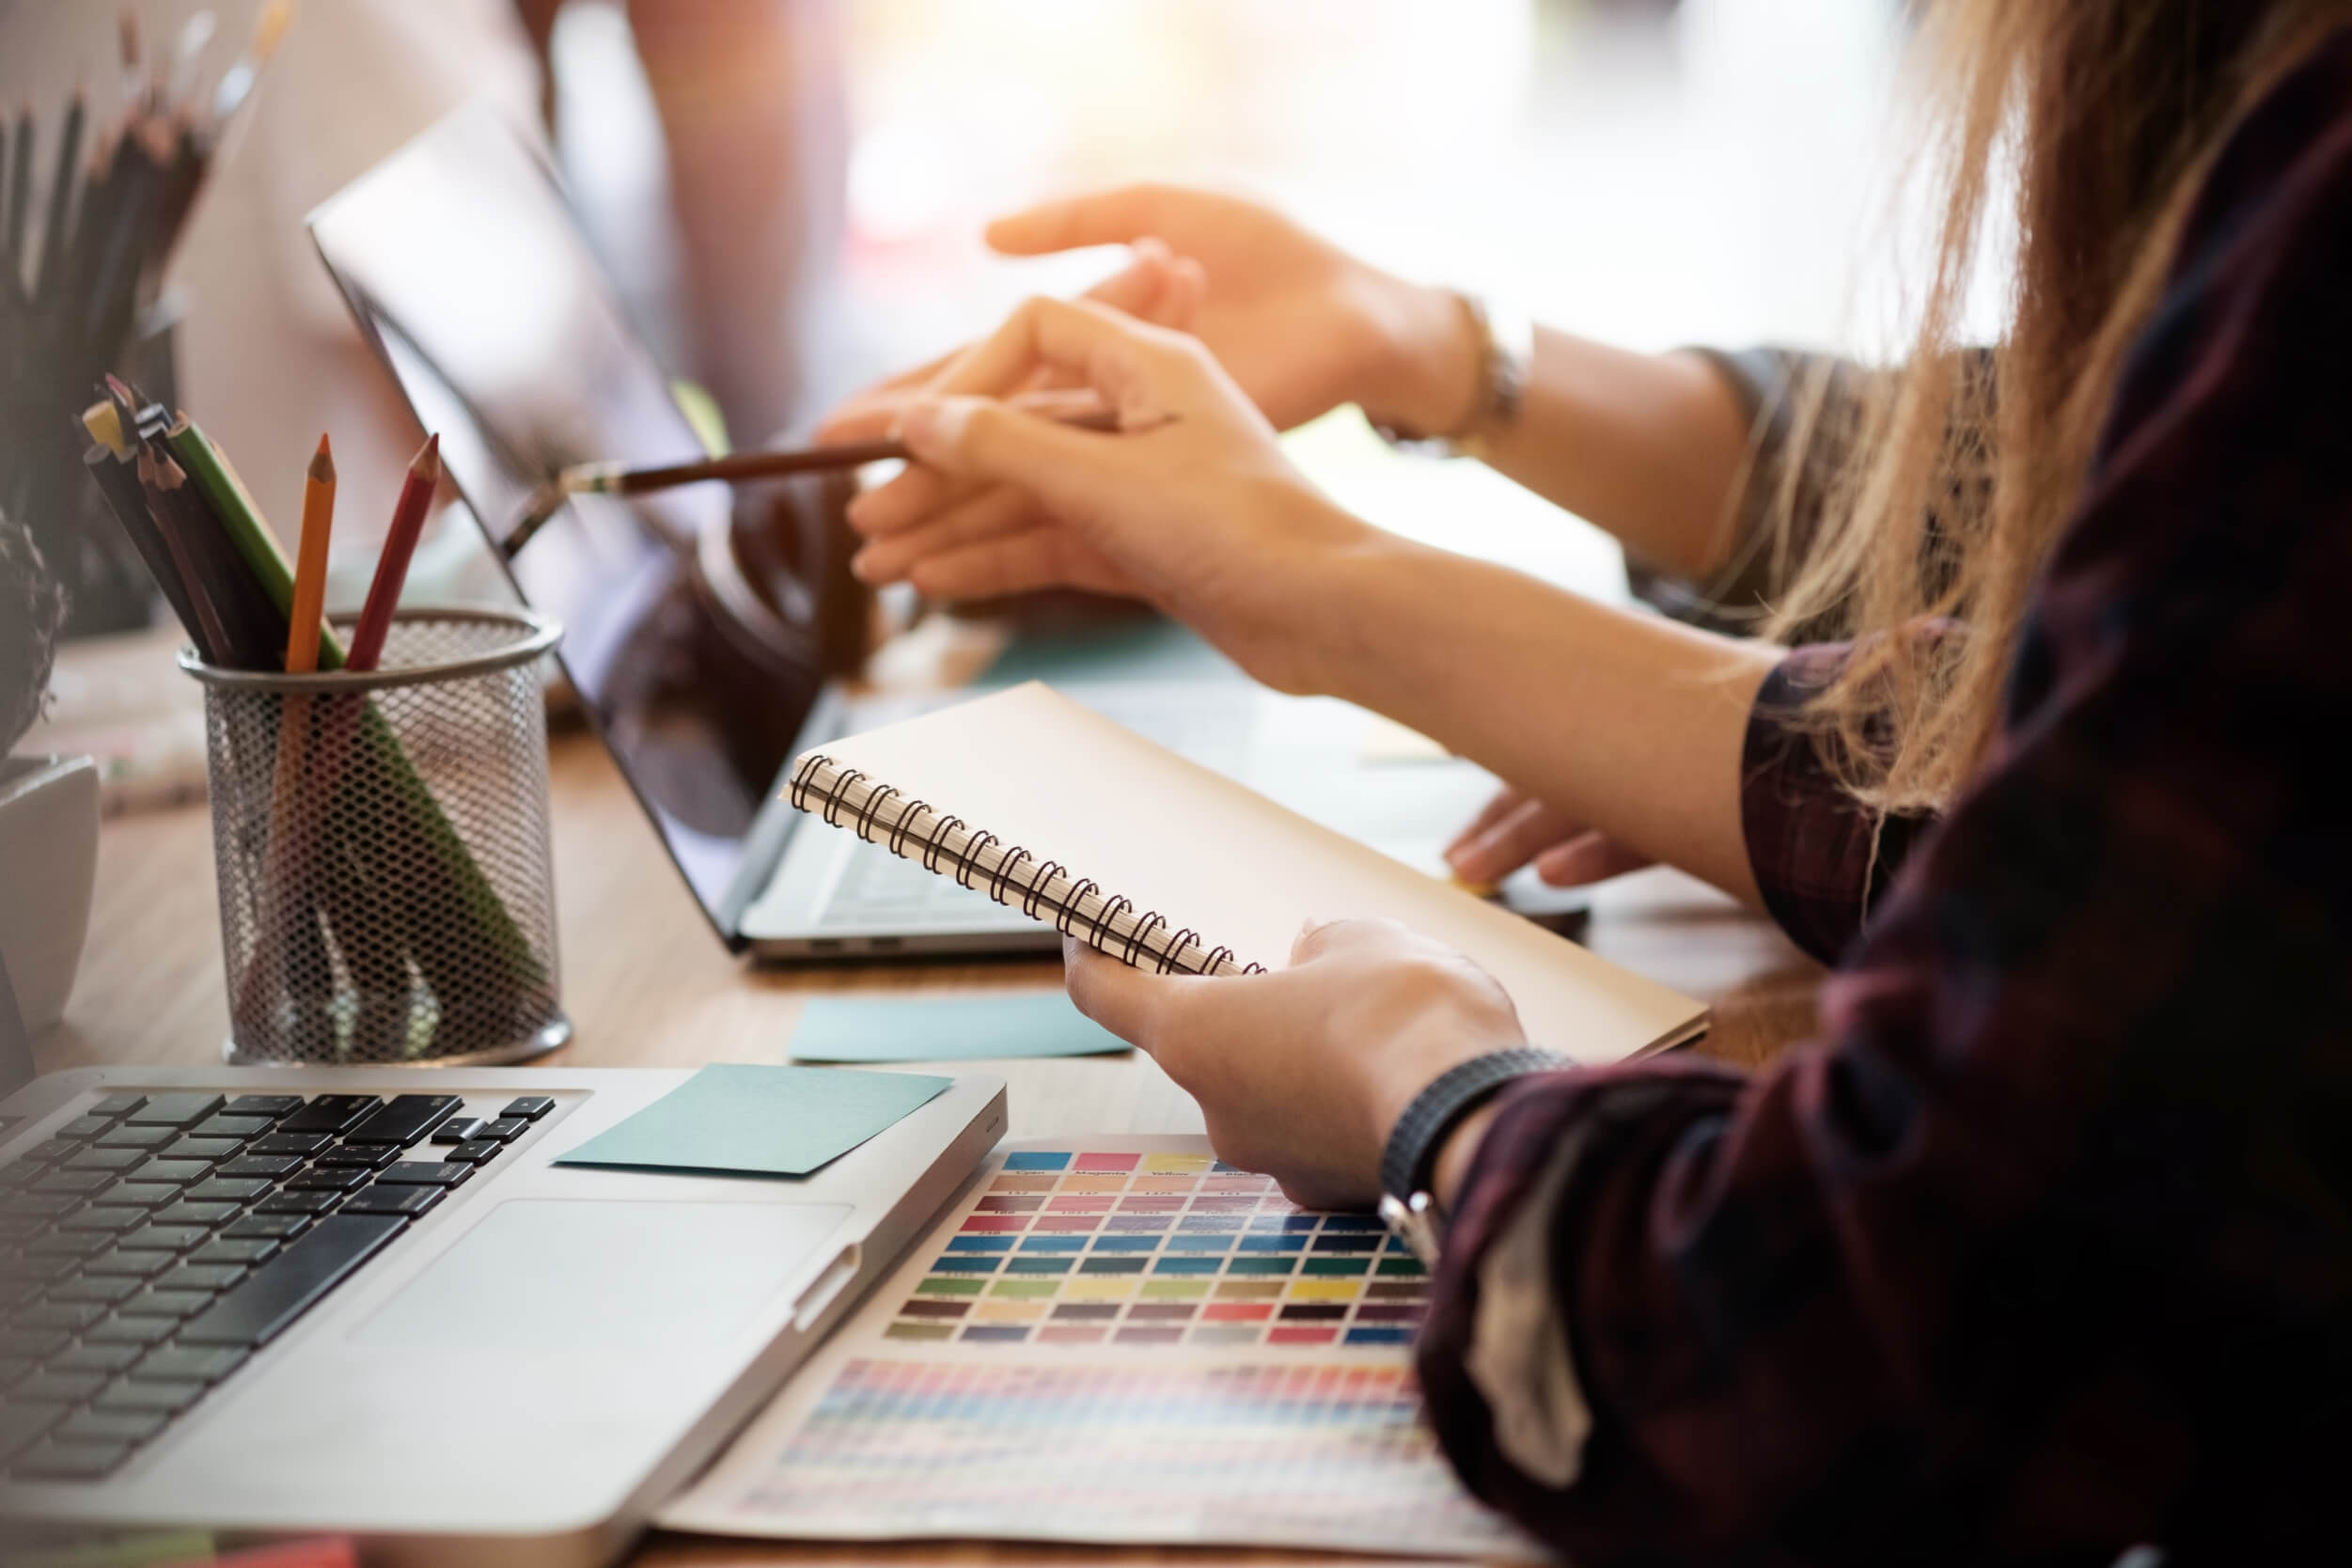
(1123, 1246)
(1299, 1455)
(1117, 1342)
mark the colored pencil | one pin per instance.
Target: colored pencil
(211, 637)
(232, 505)
(118, 481)
(399, 548)
(317, 523)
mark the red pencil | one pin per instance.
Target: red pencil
(399, 547)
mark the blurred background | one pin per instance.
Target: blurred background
(790, 192)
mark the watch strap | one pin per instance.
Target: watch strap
(1506, 351)
(1412, 1149)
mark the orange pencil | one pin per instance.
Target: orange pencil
(317, 523)
(399, 547)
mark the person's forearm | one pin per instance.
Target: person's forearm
(1651, 447)
(1628, 722)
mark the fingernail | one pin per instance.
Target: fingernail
(867, 567)
(930, 429)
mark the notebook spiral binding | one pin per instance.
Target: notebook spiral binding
(910, 829)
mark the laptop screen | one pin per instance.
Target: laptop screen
(468, 271)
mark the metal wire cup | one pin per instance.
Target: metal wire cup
(387, 887)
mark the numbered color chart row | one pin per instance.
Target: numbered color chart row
(1088, 1248)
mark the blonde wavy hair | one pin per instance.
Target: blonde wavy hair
(1940, 490)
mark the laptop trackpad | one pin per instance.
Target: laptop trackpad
(607, 1277)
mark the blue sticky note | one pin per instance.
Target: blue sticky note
(739, 1120)
(965, 1028)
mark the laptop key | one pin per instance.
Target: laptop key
(209, 1277)
(205, 1214)
(380, 1199)
(475, 1151)
(267, 1227)
(299, 1145)
(110, 1426)
(505, 1129)
(176, 1110)
(275, 1107)
(166, 1398)
(40, 1205)
(104, 1159)
(120, 1264)
(212, 1151)
(138, 1194)
(55, 1317)
(326, 1179)
(99, 1288)
(168, 1306)
(329, 1113)
(364, 1156)
(66, 1244)
(41, 1267)
(120, 1330)
(269, 1166)
(79, 1183)
(244, 1129)
(297, 1204)
(69, 1461)
(162, 1238)
(101, 1218)
(186, 1364)
(21, 1343)
(130, 1135)
(164, 1169)
(61, 1388)
(22, 1426)
(95, 1357)
(459, 1128)
(530, 1108)
(280, 1291)
(225, 1189)
(115, 1106)
(82, 1128)
(423, 1173)
(405, 1119)
(242, 1251)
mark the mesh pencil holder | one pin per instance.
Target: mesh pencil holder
(380, 840)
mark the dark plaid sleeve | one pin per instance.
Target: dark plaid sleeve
(1821, 858)
(2047, 1250)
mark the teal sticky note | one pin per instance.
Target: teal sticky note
(857, 1028)
(740, 1120)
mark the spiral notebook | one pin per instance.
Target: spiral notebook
(1058, 811)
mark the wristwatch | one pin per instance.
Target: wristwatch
(1408, 1163)
(1506, 345)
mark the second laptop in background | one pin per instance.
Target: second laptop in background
(468, 272)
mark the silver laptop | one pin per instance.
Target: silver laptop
(271, 1302)
(468, 272)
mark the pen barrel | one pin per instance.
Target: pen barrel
(382, 845)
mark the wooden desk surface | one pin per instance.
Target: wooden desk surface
(648, 985)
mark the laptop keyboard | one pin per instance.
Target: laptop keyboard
(157, 1240)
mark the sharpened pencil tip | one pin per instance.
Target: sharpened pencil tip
(322, 462)
(427, 463)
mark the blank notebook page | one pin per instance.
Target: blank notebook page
(1040, 771)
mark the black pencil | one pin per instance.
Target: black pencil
(20, 190)
(53, 231)
(118, 481)
(211, 637)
